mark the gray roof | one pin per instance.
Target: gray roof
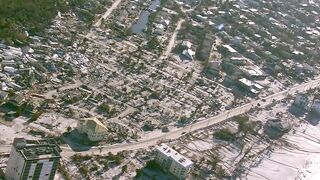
(3, 95)
(37, 149)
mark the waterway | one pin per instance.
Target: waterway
(142, 22)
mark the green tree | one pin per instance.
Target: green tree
(153, 43)
(224, 134)
(36, 115)
(104, 107)
(124, 168)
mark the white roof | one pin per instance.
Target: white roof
(254, 91)
(202, 17)
(180, 3)
(188, 44)
(297, 52)
(258, 71)
(189, 53)
(253, 71)
(246, 82)
(177, 157)
(238, 58)
(258, 86)
(229, 48)
(257, 35)
(165, 21)
(160, 26)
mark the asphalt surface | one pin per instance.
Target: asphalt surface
(108, 12)
(177, 133)
(154, 139)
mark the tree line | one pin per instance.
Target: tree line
(33, 16)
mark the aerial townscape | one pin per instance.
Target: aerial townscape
(159, 89)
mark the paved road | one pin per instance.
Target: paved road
(173, 39)
(108, 12)
(153, 139)
(104, 16)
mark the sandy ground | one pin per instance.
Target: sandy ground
(295, 156)
(7, 134)
(199, 145)
(299, 160)
(50, 123)
(53, 123)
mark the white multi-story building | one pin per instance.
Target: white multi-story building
(33, 160)
(95, 130)
(173, 161)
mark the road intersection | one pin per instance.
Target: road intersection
(178, 132)
(153, 139)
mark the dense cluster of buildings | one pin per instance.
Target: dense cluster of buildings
(254, 42)
(257, 40)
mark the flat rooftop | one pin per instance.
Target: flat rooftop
(37, 149)
(169, 152)
(230, 49)
(246, 82)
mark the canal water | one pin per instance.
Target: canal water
(141, 24)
